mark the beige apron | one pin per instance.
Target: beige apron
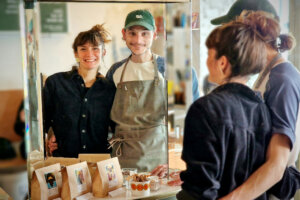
(140, 110)
(260, 85)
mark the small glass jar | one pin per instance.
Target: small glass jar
(127, 172)
(154, 183)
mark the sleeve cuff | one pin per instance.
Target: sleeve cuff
(287, 132)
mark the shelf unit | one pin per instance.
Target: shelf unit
(196, 35)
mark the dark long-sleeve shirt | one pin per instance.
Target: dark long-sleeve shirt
(225, 140)
(78, 116)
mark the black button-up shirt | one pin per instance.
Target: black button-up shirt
(78, 116)
(225, 139)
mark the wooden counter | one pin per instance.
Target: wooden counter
(4, 195)
(12, 165)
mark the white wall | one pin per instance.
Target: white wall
(10, 61)
(56, 49)
(56, 53)
(210, 9)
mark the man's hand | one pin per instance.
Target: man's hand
(161, 171)
(176, 179)
(266, 175)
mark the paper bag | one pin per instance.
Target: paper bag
(76, 181)
(53, 160)
(108, 177)
(63, 161)
(46, 183)
(92, 159)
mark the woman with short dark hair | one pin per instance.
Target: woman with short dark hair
(78, 102)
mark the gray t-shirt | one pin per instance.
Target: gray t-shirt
(282, 95)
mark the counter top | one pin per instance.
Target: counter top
(164, 192)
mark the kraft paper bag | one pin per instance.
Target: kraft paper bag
(108, 177)
(92, 159)
(76, 181)
(46, 183)
(53, 160)
(63, 161)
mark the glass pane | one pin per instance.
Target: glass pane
(51, 52)
(49, 30)
(179, 77)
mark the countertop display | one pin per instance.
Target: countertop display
(164, 192)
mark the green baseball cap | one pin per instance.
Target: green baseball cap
(140, 18)
(240, 5)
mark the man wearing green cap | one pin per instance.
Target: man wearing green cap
(240, 5)
(140, 103)
(283, 114)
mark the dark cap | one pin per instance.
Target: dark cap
(140, 18)
(240, 5)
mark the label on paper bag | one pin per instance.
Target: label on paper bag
(80, 180)
(111, 175)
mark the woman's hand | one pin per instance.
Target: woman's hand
(52, 145)
(22, 115)
(161, 171)
(228, 197)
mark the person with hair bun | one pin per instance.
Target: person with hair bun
(77, 103)
(227, 132)
(279, 84)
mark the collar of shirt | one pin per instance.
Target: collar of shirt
(240, 88)
(73, 74)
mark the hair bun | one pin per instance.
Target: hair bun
(286, 42)
(267, 27)
(105, 36)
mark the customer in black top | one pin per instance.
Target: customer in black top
(227, 132)
(78, 102)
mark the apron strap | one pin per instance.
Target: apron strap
(156, 77)
(117, 141)
(267, 70)
(123, 72)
